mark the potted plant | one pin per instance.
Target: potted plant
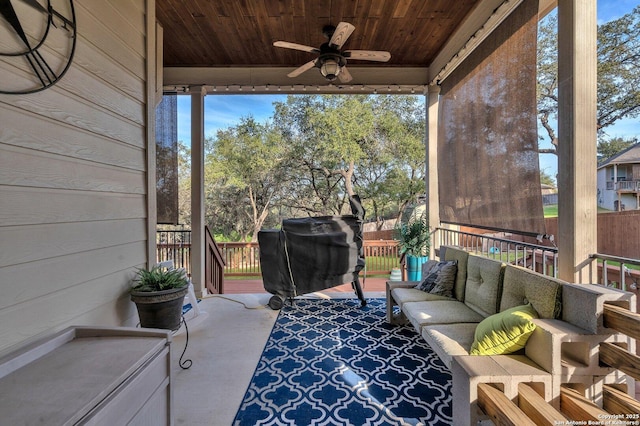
(159, 294)
(413, 237)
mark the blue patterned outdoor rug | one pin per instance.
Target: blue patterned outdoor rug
(331, 362)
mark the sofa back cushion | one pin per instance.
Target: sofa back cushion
(484, 284)
(522, 286)
(461, 257)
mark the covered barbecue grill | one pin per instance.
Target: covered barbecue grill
(312, 254)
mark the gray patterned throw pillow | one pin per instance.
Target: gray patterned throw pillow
(446, 279)
(440, 279)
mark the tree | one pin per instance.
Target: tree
(184, 184)
(243, 173)
(341, 145)
(327, 136)
(316, 151)
(396, 177)
(618, 76)
(547, 179)
(613, 146)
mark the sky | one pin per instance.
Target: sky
(223, 111)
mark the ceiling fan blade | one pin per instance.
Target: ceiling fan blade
(345, 75)
(302, 69)
(296, 46)
(368, 55)
(341, 34)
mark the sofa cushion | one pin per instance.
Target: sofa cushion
(505, 332)
(449, 340)
(461, 256)
(439, 312)
(440, 279)
(522, 286)
(404, 295)
(484, 284)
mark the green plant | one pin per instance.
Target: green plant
(158, 279)
(413, 237)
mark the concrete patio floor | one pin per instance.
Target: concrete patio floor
(225, 346)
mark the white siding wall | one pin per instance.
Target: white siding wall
(73, 165)
(604, 196)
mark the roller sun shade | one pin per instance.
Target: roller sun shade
(488, 167)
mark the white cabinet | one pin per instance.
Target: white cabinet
(89, 376)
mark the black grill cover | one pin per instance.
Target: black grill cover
(312, 254)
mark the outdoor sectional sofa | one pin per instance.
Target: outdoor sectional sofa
(561, 348)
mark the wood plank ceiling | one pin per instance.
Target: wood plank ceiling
(240, 33)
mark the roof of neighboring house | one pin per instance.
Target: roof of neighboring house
(628, 156)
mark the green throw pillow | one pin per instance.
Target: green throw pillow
(505, 332)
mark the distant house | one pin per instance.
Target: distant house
(619, 180)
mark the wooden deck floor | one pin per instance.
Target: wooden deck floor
(255, 286)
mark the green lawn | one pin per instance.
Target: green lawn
(551, 211)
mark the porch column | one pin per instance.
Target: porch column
(577, 182)
(431, 173)
(197, 189)
(615, 185)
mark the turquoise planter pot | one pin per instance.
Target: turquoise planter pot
(414, 267)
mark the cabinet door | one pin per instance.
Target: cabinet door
(143, 399)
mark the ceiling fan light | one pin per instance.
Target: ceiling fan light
(330, 69)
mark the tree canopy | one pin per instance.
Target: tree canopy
(611, 147)
(618, 76)
(314, 153)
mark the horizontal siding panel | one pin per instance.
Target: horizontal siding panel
(103, 11)
(32, 243)
(41, 315)
(23, 167)
(37, 279)
(74, 111)
(108, 69)
(25, 129)
(78, 80)
(24, 206)
(115, 313)
(96, 91)
(103, 38)
(86, 57)
(132, 11)
(73, 169)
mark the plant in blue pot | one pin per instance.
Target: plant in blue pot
(413, 240)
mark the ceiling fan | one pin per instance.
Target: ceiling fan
(331, 61)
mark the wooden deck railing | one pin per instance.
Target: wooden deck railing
(214, 265)
(174, 244)
(243, 259)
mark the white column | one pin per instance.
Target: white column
(431, 173)
(577, 182)
(197, 189)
